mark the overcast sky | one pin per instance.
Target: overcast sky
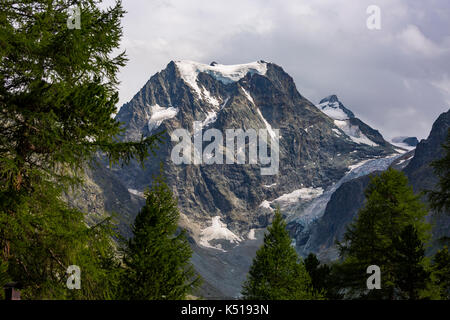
(395, 79)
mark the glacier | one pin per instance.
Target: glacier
(316, 208)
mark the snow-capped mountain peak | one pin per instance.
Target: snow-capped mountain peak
(346, 121)
(333, 108)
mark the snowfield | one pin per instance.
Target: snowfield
(332, 110)
(189, 71)
(158, 114)
(303, 193)
(354, 133)
(293, 197)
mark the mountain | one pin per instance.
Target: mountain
(409, 141)
(353, 127)
(333, 108)
(226, 207)
(315, 151)
(346, 201)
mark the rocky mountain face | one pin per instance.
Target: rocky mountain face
(225, 207)
(419, 172)
(102, 194)
(315, 151)
(346, 201)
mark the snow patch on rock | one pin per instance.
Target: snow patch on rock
(270, 185)
(158, 114)
(354, 133)
(136, 193)
(337, 132)
(209, 98)
(296, 195)
(248, 96)
(217, 231)
(266, 204)
(332, 110)
(268, 126)
(404, 160)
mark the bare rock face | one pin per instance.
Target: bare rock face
(314, 151)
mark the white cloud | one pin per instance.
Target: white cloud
(414, 39)
(443, 85)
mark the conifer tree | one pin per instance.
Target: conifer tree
(277, 273)
(58, 95)
(157, 257)
(319, 273)
(391, 206)
(408, 259)
(441, 272)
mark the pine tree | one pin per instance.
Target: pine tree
(277, 273)
(391, 206)
(440, 199)
(411, 276)
(319, 273)
(157, 257)
(58, 95)
(46, 237)
(58, 90)
(441, 272)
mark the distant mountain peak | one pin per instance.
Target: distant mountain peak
(345, 120)
(410, 141)
(333, 108)
(331, 98)
(404, 142)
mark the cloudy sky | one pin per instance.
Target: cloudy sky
(396, 79)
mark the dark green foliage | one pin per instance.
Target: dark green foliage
(319, 273)
(440, 199)
(408, 258)
(277, 273)
(373, 239)
(57, 100)
(157, 257)
(441, 272)
(43, 237)
(4, 277)
(58, 90)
